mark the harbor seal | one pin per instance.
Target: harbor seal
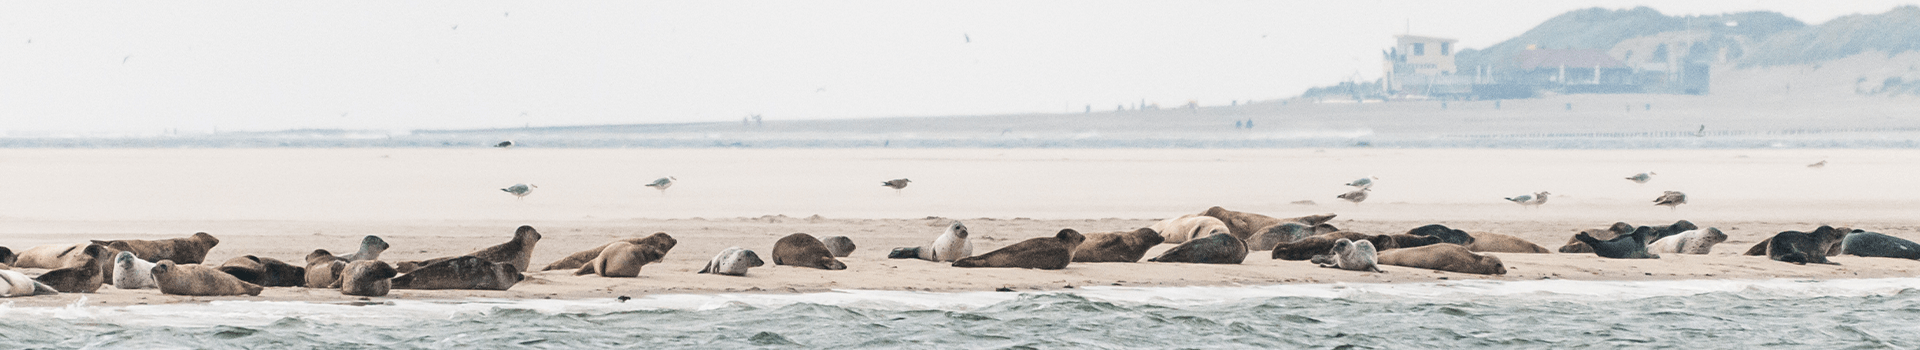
(7, 258)
(951, 245)
(1215, 249)
(1575, 246)
(1446, 234)
(1676, 228)
(1351, 255)
(1045, 253)
(461, 272)
(840, 246)
(1839, 235)
(1444, 257)
(263, 271)
(733, 261)
(132, 273)
(802, 249)
(16, 284)
(1630, 246)
(1690, 242)
(87, 273)
(323, 268)
(1179, 230)
(577, 259)
(53, 256)
(1306, 248)
(370, 248)
(621, 259)
(516, 252)
(1243, 225)
(1879, 245)
(1276, 234)
(1123, 246)
(187, 250)
(367, 278)
(1803, 247)
(1488, 242)
(199, 280)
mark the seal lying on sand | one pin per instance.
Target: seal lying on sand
(7, 258)
(1677, 227)
(1215, 249)
(1306, 248)
(1691, 242)
(802, 249)
(1575, 246)
(1485, 242)
(188, 250)
(54, 256)
(87, 273)
(323, 269)
(461, 272)
(516, 252)
(1630, 246)
(952, 245)
(1446, 234)
(1123, 246)
(266, 272)
(16, 284)
(1243, 225)
(1179, 230)
(1802, 247)
(621, 259)
(1878, 245)
(132, 273)
(1045, 253)
(1282, 233)
(199, 280)
(733, 261)
(580, 258)
(367, 278)
(840, 246)
(1350, 255)
(370, 248)
(1444, 257)
(1832, 247)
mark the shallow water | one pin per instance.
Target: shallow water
(1875, 313)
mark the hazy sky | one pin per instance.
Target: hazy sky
(251, 65)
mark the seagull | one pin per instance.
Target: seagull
(969, 38)
(520, 190)
(1535, 199)
(504, 144)
(896, 184)
(1642, 178)
(1356, 196)
(1365, 182)
(1671, 199)
(662, 184)
(1821, 164)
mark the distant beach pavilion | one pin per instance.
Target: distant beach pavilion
(1424, 66)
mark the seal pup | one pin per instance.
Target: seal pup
(516, 252)
(620, 259)
(1878, 245)
(1444, 257)
(840, 246)
(199, 280)
(367, 278)
(323, 268)
(1630, 246)
(1276, 234)
(733, 261)
(16, 284)
(461, 272)
(1179, 230)
(802, 249)
(187, 250)
(1691, 242)
(1671, 199)
(896, 184)
(1123, 246)
(1215, 249)
(266, 272)
(1488, 242)
(951, 245)
(574, 261)
(1832, 248)
(1574, 245)
(1445, 233)
(1243, 224)
(1351, 255)
(370, 248)
(1355, 196)
(1803, 247)
(86, 275)
(132, 273)
(1045, 253)
(1641, 178)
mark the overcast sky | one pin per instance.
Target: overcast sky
(252, 65)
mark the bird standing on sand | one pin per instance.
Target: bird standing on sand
(896, 184)
(1535, 200)
(662, 184)
(504, 144)
(1642, 178)
(1821, 164)
(1356, 196)
(1671, 199)
(1365, 182)
(520, 190)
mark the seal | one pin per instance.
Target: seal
(577, 259)
(1832, 248)
(1351, 255)
(1306, 248)
(323, 268)
(516, 252)
(1690, 242)
(1488, 242)
(1446, 234)
(802, 249)
(1630, 246)
(187, 250)
(7, 258)
(266, 272)
(1575, 246)
(1215, 249)
(199, 280)
(621, 259)
(370, 248)
(1444, 257)
(86, 274)
(53, 256)
(461, 272)
(1401, 240)
(1803, 247)
(16, 284)
(733, 261)
(132, 273)
(367, 278)
(951, 245)
(1878, 245)
(1122, 246)
(1243, 225)
(1276, 234)
(1179, 230)
(840, 246)
(1045, 253)
(1676, 228)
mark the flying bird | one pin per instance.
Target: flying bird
(520, 190)
(1365, 182)
(896, 184)
(1534, 200)
(123, 60)
(968, 37)
(504, 144)
(1642, 178)
(1671, 199)
(662, 184)
(1356, 196)
(1821, 164)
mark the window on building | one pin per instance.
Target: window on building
(1446, 49)
(1419, 49)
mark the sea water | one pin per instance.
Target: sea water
(1859, 314)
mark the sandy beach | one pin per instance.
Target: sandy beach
(283, 203)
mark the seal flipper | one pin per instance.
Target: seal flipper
(904, 253)
(43, 289)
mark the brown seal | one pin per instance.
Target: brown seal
(367, 278)
(1805, 247)
(621, 259)
(323, 268)
(461, 272)
(1484, 242)
(516, 252)
(1576, 246)
(1832, 248)
(1179, 230)
(266, 272)
(840, 246)
(1243, 225)
(580, 258)
(86, 273)
(199, 280)
(802, 249)
(1444, 257)
(1045, 253)
(1123, 246)
(1215, 249)
(187, 250)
